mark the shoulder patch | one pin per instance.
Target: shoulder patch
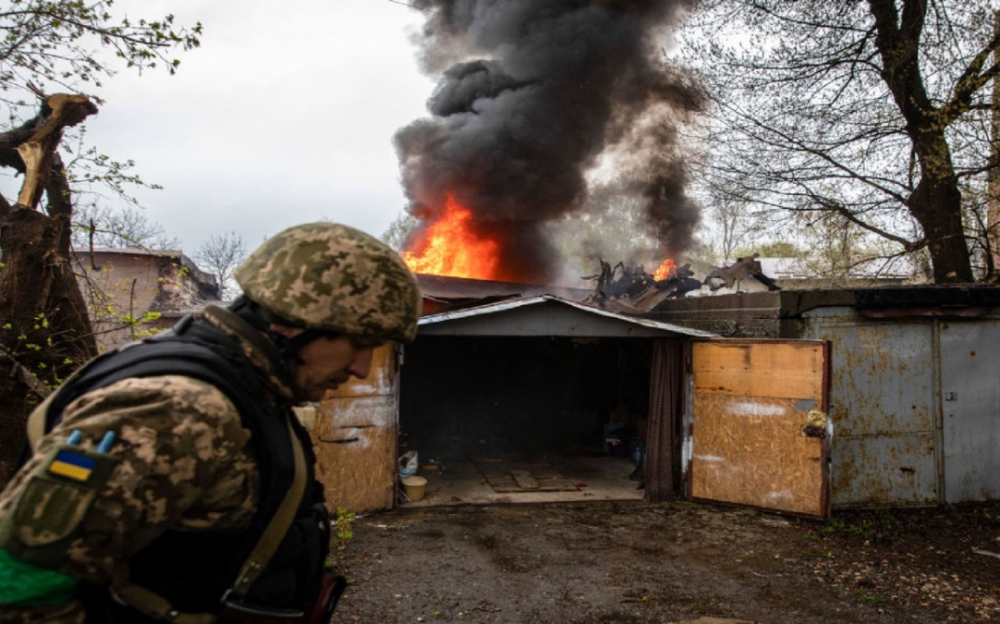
(72, 465)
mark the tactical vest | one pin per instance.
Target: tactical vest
(193, 570)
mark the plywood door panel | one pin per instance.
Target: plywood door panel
(740, 369)
(355, 439)
(750, 404)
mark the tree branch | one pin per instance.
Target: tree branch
(850, 216)
(971, 80)
(797, 145)
(59, 111)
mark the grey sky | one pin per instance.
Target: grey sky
(284, 115)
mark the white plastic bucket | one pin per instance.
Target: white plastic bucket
(414, 487)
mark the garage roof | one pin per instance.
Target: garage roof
(548, 315)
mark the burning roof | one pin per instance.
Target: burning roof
(618, 288)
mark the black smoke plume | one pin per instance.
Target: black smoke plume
(531, 93)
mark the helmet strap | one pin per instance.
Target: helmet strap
(249, 312)
(261, 320)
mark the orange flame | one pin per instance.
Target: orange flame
(453, 249)
(666, 270)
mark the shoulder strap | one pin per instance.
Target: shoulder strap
(280, 522)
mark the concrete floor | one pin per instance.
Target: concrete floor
(459, 482)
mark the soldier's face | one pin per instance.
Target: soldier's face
(329, 363)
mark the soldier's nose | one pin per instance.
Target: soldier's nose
(362, 363)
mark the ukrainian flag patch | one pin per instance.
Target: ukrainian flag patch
(72, 465)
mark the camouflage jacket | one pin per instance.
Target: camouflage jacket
(183, 463)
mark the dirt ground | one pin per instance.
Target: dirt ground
(636, 562)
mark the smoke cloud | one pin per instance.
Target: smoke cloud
(531, 94)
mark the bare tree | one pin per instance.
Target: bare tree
(220, 255)
(874, 112)
(100, 226)
(732, 221)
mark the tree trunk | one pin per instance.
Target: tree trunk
(937, 201)
(937, 205)
(993, 185)
(45, 330)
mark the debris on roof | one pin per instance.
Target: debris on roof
(739, 270)
(634, 291)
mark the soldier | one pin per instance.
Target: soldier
(173, 483)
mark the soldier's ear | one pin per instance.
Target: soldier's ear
(282, 330)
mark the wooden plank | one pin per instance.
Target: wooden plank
(512, 476)
(734, 369)
(524, 479)
(503, 484)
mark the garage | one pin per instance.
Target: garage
(541, 399)
(530, 400)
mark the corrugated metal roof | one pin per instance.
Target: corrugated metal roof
(503, 306)
(444, 287)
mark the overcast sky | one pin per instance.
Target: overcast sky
(284, 115)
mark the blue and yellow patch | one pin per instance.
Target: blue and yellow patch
(72, 465)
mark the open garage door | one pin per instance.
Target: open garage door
(526, 400)
(526, 416)
(758, 432)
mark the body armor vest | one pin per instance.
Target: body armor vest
(194, 569)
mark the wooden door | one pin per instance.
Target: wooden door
(355, 438)
(758, 431)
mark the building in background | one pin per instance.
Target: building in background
(132, 293)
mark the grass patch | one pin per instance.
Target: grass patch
(868, 526)
(869, 599)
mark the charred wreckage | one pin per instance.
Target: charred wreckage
(633, 290)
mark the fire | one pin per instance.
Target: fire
(666, 270)
(453, 249)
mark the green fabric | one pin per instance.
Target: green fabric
(26, 584)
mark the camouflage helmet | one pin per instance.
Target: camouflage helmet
(333, 277)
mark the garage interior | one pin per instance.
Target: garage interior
(511, 419)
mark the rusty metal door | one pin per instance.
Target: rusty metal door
(757, 428)
(355, 438)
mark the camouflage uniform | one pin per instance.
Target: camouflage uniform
(184, 457)
(184, 464)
